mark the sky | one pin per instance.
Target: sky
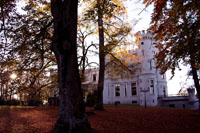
(134, 9)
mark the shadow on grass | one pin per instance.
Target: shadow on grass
(10, 122)
(5, 119)
(20, 119)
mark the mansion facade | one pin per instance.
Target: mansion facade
(147, 85)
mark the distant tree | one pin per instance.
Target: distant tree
(176, 24)
(7, 9)
(110, 30)
(27, 49)
(72, 116)
(84, 48)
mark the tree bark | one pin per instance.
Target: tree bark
(99, 100)
(83, 64)
(196, 81)
(72, 116)
(1, 91)
(193, 64)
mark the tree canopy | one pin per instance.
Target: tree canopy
(176, 26)
(25, 47)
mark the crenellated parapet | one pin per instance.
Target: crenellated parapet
(145, 34)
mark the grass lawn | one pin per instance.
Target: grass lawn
(114, 119)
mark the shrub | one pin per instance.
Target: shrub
(90, 101)
(53, 101)
(2, 101)
(35, 102)
(12, 102)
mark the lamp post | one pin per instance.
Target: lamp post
(145, 101)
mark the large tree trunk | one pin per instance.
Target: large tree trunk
(99, 100)
(72, 116)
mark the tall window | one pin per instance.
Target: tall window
(125, 90)
(152, 86)
(94, 77)
(164, 91)
(117, 90)
(133, 89)
(150, 64)
(108, 90)
(143, 52)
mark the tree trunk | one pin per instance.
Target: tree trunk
(194, 69)
(99, 100)
(83, 66)
(1, 91)
(196, 82)
(191, 43)
(6, 91)
(72, 116)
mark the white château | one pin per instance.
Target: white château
(147, 84)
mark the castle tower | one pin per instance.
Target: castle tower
(151, 81)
